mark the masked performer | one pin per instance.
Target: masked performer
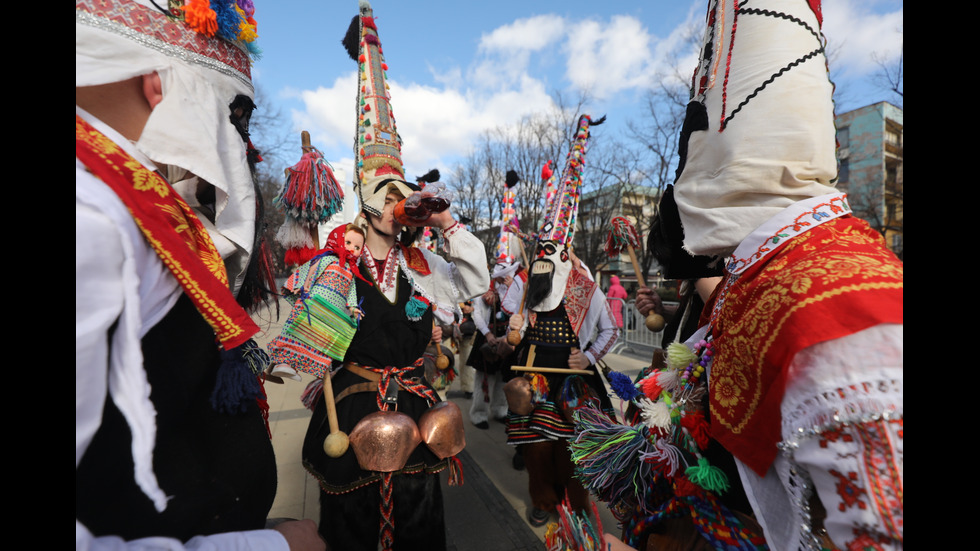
(800, 352)
(171, 448)
(567, 325)
(385, 487)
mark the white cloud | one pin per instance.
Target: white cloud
(532, 33)
(855, 34)
(606, 59)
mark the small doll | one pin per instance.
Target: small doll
(325, 311)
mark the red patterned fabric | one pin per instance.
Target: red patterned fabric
(578, 296)
(157, 26)
(832, 281)
(172, 229)
(416, 260)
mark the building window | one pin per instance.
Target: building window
(845, 172)
(891, 137)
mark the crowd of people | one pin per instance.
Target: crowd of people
(772, 416)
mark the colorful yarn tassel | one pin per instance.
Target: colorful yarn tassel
(539, 388)
(235, 384)
(455, 471)
(312, 394)
(608, 457)
(416, 307)
(708, 476)
(622, 386)
(311, 192)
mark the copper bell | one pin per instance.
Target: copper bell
(441, 427)
(518, 393)
(384, 440)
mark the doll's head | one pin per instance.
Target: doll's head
(354, 240)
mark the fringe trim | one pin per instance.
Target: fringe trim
(872, 399)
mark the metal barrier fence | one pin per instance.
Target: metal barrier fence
(634, 333)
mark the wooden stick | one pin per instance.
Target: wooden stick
(551, 370)
(654, 322)
(514, 337)
(336, 442)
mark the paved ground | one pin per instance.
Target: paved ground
(486, 513)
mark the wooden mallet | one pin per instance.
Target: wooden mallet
(624, 235)
(336, 442)
(442, 361)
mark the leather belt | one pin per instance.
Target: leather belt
(371, 386)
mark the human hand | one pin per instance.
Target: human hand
(647, 300)
(442, 220)
(436, 334)
(578, 360)
(613, 543)
(516, 322)
(301, 535)
(491, 339)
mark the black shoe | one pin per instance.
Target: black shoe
(482, 425)
(469, 395)
(518, 461)
(537, 517)
(500, 419)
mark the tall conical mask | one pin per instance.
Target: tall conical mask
(377, 147)
(759, 133)
(560, 219)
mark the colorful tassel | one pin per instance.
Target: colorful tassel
(235, 384)
(455, 471)
(416, 307)
(697, 428)
(312, 394)
(311, 192)
(656, 415)
(622, 386)
(539, 388)
(650, 386)
(679, 356)
(199, 16)
(608, 457)
(708, 476)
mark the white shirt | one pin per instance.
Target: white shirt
(120, 279)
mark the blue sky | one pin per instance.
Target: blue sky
(459, 68)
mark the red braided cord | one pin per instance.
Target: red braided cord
(387, 514)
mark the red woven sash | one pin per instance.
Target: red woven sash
(172, 229)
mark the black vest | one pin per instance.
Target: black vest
(218, 469)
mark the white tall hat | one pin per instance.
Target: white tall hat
(761, 122)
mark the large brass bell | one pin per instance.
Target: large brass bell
(441, 427)
(384, 440)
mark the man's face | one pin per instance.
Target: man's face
(385, 224)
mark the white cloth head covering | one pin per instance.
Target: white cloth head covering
(765, 136)
(190, 128)
(504, 269)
